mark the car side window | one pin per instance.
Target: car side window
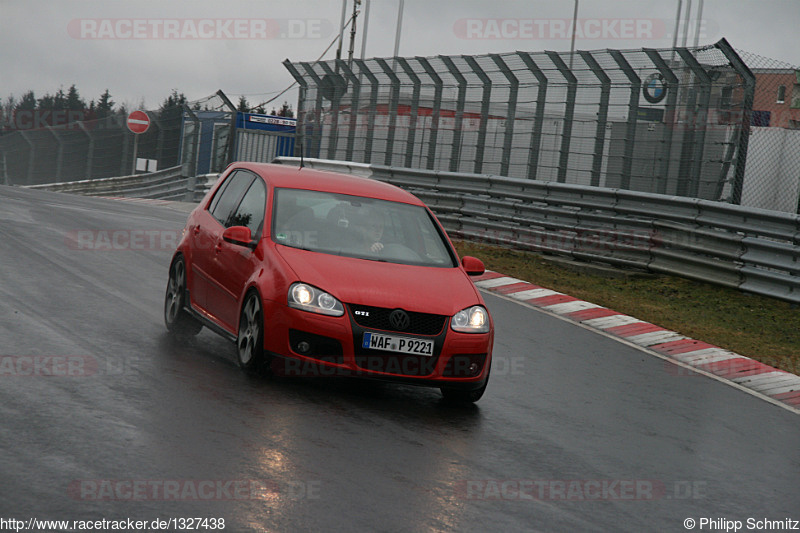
(230, 195)
(250, 212)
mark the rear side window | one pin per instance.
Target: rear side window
(229, 195)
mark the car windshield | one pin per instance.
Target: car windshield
(355, 226)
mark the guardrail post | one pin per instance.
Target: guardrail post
(511, 115)
(394, 102)
(436, 112)
(455, 153)
(569, 113)
(602, 115)
(413, 112)
(373, 107)
(538, 121)
(671, 86)
(633, 111)
(485, 101)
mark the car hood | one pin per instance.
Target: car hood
(443, 291)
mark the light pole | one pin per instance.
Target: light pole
(400, 9)
(574, 28)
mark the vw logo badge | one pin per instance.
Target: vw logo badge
(399, 320)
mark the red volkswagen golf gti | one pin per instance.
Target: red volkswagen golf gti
(316, 273)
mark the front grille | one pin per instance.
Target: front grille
(378, 318)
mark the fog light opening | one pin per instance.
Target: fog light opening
(303, 347)
(474, 368)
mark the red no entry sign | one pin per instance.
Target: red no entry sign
(138, 122)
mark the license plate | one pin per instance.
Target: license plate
(392, 343)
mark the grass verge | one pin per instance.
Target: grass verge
(758, 327)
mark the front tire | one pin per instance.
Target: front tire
(177, 319)
(457, 396)
(250, 341)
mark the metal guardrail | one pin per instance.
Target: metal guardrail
(751, 249)
(168, 184)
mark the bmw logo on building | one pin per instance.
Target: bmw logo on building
(655, 88)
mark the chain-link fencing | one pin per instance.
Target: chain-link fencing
(669, 121)
(37, 153)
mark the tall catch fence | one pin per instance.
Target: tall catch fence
(668, 121)
(92, 149)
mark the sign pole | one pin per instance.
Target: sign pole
(135, 151)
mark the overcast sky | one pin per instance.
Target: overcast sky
(141, 50)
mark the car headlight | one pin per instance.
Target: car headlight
(309, 298)
(474, 319)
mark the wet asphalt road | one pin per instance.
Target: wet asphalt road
(576, 432)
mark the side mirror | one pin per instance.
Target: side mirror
(473, 265)
(238, 235)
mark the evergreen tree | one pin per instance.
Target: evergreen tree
(27, 102)
(286, 110)
(105, 106)
(73, 100)
(244, 107)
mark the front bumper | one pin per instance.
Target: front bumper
(309, 345)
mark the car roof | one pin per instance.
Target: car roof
(293, 177)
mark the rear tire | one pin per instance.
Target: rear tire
(178, 320)
(250, 341)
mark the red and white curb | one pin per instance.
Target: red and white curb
(778, 387)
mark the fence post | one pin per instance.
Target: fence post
(569, 113)
(436, 112)
(485, 101)
(90, 152)
(511, 115)
(232, 134)
(373, 107)
(354, 109)
(602, 115)
(31, 157)
(700, 119)
(333, 140)
(301, 105)
(60, 154)
(749, 80)
(633, 111)
(413, 112)
(316, 133)
(671, 86)
(394, 103)
(538, 121)
(455, 152)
